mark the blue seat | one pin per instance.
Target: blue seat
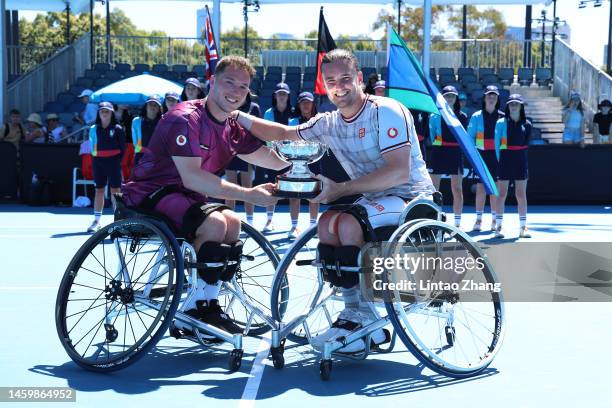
(75, 107)
(446, 71)
(274, 69)
(65, 98)
(200, 70)
(310, 70)
(506, 75)
(140, 68)
(112, 75)
(485, 71)
(101, 82)
(543, 76)
(102, 67)
(92, 74)
(122, 68)
(179, 68)
(171, 76)
(463, 71)
(293, 70)
(160, 68)
(525, 76)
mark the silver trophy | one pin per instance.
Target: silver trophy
(298, 182)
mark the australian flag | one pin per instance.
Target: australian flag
(211, 47)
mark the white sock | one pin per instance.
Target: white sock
(294, 223)
(523, 220)
(493, 216)
(199, 295)
(313, 221)
(457, 220)
(350, 297)
(212, 291)
(97, 215)
(478, 216)
(499, 219)
(270, 215)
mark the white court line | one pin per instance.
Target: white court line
(28, 287)
(252, 386)
(10, 236)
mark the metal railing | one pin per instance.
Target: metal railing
(575, 73)
(24, 58)
(301, 52)
(30, 92)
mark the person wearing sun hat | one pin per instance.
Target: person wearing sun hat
(446, 155)
(35, 131)
(55, 130)
(482, 130)
(107, 141)
(602, 121)
(144, 125)
(512, 135)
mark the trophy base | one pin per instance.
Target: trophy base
(297, 187)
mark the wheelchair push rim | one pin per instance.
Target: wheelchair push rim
(119, 294)
(450, 336)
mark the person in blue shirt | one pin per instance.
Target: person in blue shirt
(282, 112)
(482, 130)
(512, 135)
(446, 155)
(107, 140)
(144, 125)
(574, 120)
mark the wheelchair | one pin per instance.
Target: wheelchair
(128, 283)
(453, 333)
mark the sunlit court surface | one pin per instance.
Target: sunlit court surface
(553, 354)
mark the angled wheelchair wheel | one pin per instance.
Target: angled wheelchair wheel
(453, 331)
(299, 289)
(119, 294)
(254, 277)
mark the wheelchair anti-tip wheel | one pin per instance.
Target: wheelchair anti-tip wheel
(453, 332)
(119, 294)
(299, 289)
(255, 277)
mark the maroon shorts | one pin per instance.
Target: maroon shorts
(175, 206)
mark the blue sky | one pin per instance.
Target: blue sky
(178, 18)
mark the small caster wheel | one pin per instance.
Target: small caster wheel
(111, 333)
(235, 360)
(450, 335)
(278, 359)
(325, 369)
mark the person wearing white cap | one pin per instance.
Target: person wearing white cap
(36, 132)
(379, 88)
(573, 119)
(107, 141)
(144, 125)
(55, 130)
(88, 115)
(512, 135)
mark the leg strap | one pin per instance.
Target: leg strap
(361, 214)
(233, 261)
(212, 261)
(340, 264)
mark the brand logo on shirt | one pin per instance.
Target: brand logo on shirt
(181, 140)
(361, 133)
(203, 147)
(392, 133)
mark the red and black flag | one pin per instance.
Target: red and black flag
(325, 44)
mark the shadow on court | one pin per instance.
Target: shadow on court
(175, 366)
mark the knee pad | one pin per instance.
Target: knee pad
(209, 254)
(233, 261)
(333, 258)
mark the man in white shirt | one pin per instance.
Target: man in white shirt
(88, 115)
(375, 141)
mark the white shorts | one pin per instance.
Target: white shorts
(386, 210)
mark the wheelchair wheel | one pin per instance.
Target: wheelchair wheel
(299, 288)
(119, 294)
(453, 332)
(255, 278)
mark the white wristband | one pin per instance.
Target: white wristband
(244, 120)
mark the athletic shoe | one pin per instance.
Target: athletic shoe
(214, 315)
(493, 226)
(197, 314)
(269, 227)
(477, 226)
(499, 233)
(293, 233)
(524, 233)
(95, 226)
(348, 321)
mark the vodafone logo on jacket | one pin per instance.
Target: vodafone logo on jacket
(392, 133)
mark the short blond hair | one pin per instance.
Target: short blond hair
(236, 62)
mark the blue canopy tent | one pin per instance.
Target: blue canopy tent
(135, 90)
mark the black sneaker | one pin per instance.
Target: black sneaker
(197, 314)
(214, 315)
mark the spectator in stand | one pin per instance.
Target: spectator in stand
(13, 131)
(55, 130)
(512, 135)
(238, 165)
(170, 100)
(90, 110)
(107, 140)
(36, 132)
(446, 155)
(573, 119)
(482, 130)
(125, 118)
(144, 125)
(282, 112)
(601, 122)
(192, 90)
(379, 88)
(372, 79)
(305, 110)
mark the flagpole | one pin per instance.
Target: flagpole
(317, 56)
(426, 34)
(212, 28)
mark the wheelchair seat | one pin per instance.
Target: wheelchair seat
(123, 211)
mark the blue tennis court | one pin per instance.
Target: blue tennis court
(554, 354)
